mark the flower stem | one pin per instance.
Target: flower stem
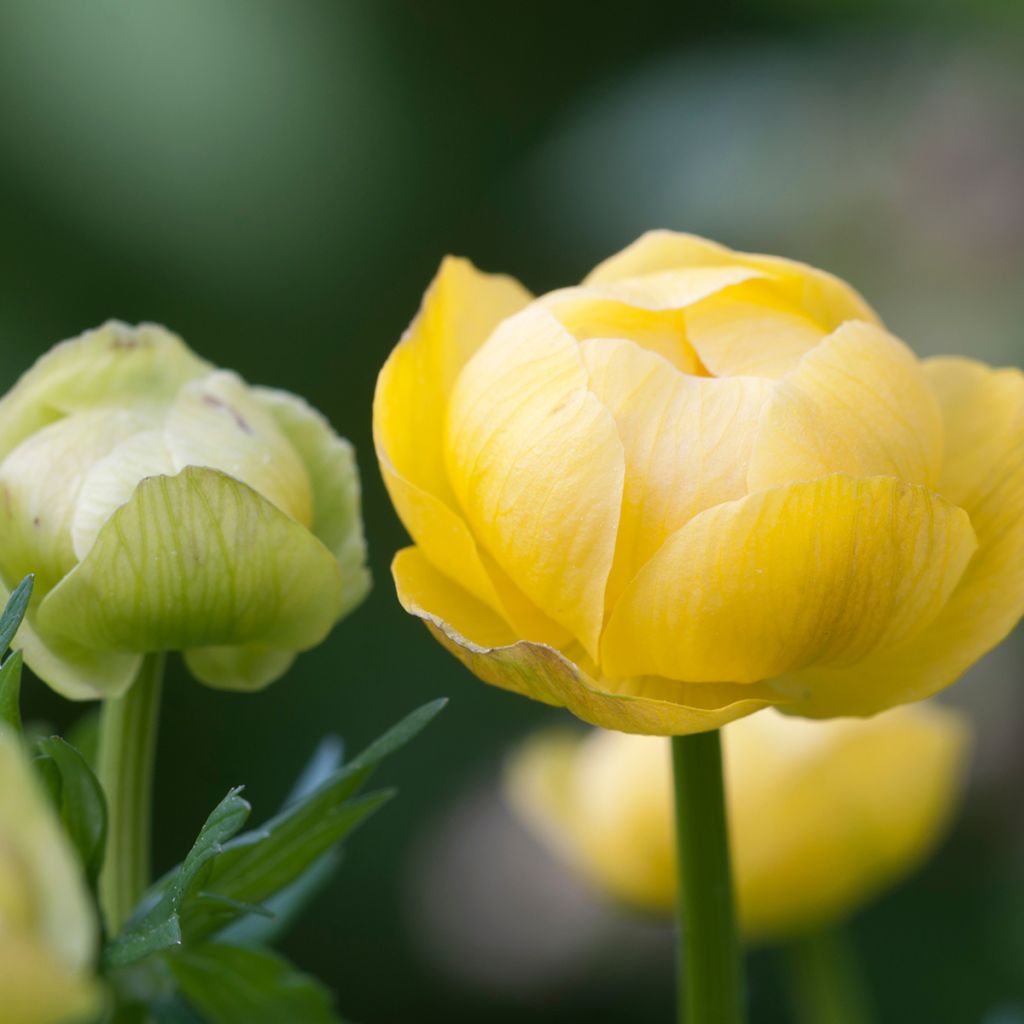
(124, 766)
(826, 982)
(709, 957)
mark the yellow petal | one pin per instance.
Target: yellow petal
(483, 643)
(687, 442)
(816, 572)
(755, 329)
(825, 298)
(461, 308)
(984, 472)
(858, 403)
(824, 815)
(537, 466)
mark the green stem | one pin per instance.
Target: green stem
(710, 965)
(124, 765)
(826, 982)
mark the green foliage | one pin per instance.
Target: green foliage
(198, 927)
(10, 668)
(79, 801)
(238, 985)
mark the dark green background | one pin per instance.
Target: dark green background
(277, 182)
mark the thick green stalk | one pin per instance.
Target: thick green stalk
(825, 980)
(710, 964)
(124, 765)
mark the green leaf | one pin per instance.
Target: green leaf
(235, 985)
(10, 669)
(259, 864)
(14, 611)
(10, 691)
(81, 804)
(156, 925)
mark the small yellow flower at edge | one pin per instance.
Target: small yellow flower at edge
(823, 816)
(165, 505)
(48, 928)
(700, 483)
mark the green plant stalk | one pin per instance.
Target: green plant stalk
(710, 973)
(124, 765)
(825, 980)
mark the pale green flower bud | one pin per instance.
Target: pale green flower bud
(167, 505)
(48, 928)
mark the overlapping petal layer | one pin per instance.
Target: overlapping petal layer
(486, 645)
(811, 573)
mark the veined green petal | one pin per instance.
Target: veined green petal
(113, 364)
(246, 668)
(195, 560)
(330, 462)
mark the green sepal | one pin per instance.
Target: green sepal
(80, 803)
(239, 985)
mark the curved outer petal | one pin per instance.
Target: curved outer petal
(129, 366)
(40, 483)
(687, 442)
(410, 408)
(245, 668)
(828, 299)
(59, 942)
(813, 573)
(485, 645)
(538, 468)
(194, 560)
(330, 461)
(756, 329)
(858, 403)
(218, 423)
(984, 472)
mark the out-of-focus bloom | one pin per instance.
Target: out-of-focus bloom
(166, 505)
(48, 928)
(700, 483)
(822, 815)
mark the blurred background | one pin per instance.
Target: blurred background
(277, 182)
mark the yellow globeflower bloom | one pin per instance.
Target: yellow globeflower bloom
(700, 483)
(822, 815)
(164, 504)
(48, 929)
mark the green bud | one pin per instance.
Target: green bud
(48, 929)
(167, 505)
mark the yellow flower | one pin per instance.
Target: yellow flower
(48, 930)
(166, 505)
(700, 483)
(822, 815)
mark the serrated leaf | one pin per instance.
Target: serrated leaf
(157, 926)
(10, 691)
(265, 862)
(14, 611)
(81, 804)
(238, 985)
(257, 865)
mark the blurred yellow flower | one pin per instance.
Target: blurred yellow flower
(48, 929)
(822, 815)
(166, 505)
(700, 483)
